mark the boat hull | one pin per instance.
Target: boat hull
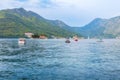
(67, 41)
(21, 42)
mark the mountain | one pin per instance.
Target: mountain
(15, 22)
(107, 28)
(61, 24)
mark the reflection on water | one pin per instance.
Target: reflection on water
(56, 60)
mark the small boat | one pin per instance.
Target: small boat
(75, 38)
(21, 41)
(100, 40)
(67, 41)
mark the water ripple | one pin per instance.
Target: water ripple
(56, 60)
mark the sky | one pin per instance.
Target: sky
(75, 13)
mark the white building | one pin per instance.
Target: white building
(28, 34)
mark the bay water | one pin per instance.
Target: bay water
(53, 59)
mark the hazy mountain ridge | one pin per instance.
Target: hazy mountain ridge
(107, 28)
(15, 22)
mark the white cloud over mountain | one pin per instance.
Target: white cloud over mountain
(73, 12)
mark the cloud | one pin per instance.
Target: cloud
(73, 12)
(8, 4)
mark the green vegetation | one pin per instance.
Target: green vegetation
(35, 36)
(15, 22)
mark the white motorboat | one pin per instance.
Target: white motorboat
(21, 41)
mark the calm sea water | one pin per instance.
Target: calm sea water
(56, 60)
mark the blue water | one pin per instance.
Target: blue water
(57, 60)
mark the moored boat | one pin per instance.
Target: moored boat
(67, 41)
(75, 38)
(100, 40)
(21, 41)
